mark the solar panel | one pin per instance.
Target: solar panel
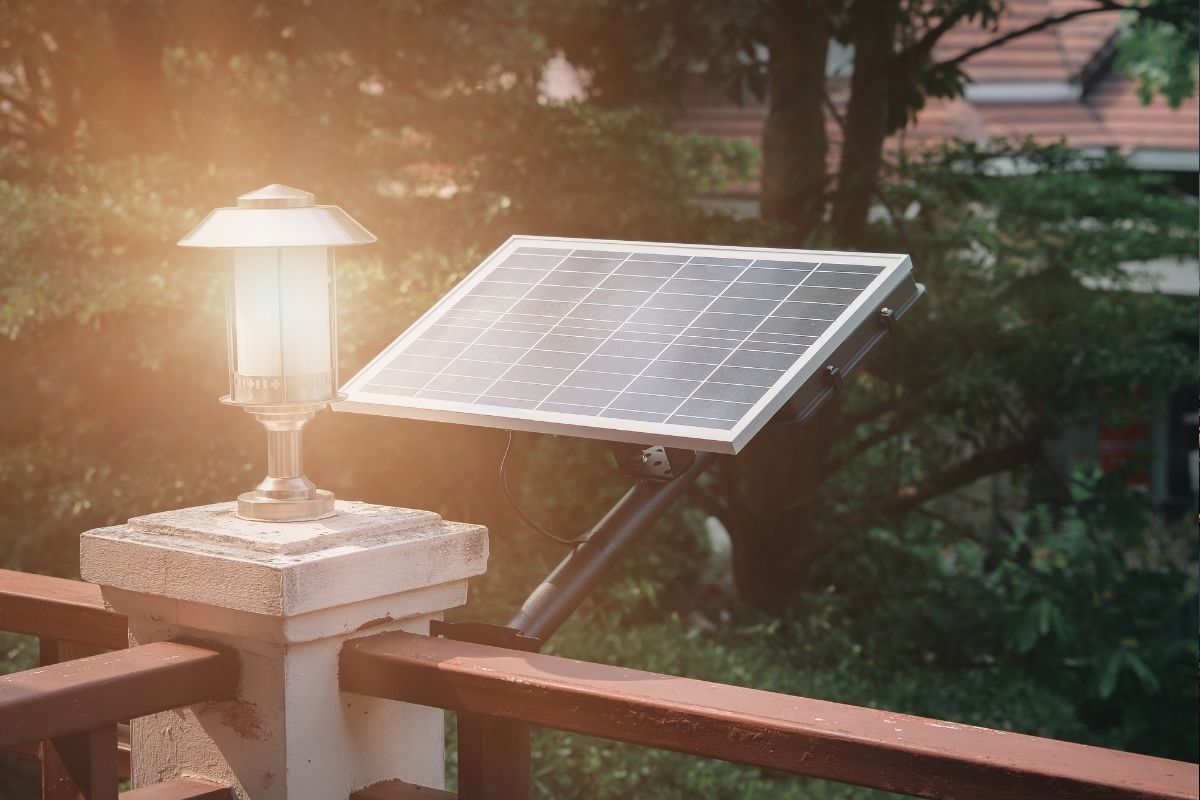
(691, 346)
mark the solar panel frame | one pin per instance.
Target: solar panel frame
(894, 269)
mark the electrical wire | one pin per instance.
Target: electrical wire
(571, 542)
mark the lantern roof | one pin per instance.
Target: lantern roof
(277, 216)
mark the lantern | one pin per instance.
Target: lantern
(281, 317)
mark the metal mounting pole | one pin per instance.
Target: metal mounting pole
(549, 605)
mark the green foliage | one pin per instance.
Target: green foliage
(1012, 264)
(1095, 597)
(1012, 344)
(1160, 51)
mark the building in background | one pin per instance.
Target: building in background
(1058, 84)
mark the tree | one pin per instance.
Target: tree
(1010, 347)
(775, 51)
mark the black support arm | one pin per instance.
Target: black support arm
(548, 607)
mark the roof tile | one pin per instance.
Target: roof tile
(1109, 115)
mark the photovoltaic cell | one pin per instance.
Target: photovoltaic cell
(665, 344)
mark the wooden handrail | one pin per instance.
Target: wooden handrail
(401, 790)
(880, 749)
(79, 698)
(179, 789)
(33, 750)
(88, 693)
(57, 608)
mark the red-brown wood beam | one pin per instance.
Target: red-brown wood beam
(90, 693)
(81, 766)
(399, 790)
(56, 608)
(895, 752)
(179, 789)
(33, 750)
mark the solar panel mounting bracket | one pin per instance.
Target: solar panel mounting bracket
(485, 633)
(651, 462)
(853, 351)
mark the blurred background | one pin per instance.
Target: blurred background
(994, 524)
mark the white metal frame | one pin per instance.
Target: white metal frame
(896, 267)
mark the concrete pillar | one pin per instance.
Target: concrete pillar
(286, 596)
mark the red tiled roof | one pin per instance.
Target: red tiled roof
(1109, 114)
(1060, 53)
(1132, 125)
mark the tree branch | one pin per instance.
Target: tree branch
(709, 503)
(959, 528)
(17, 134)
(911, 497)
(848, 422)
(832, 108)
(1054, 19)
(898, 422)
(962, 474)
(25, 107)
(923, 46)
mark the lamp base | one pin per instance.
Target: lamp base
(253, 506)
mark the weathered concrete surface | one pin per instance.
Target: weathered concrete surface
(286, 596)
(208, 555)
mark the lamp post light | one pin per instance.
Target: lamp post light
(281, 318)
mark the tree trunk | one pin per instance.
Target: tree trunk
(873, 34)
(137, 113)
(794, 142)
(767, 522)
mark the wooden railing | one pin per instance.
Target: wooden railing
(75, 708)
(70, 711)
(896, 752)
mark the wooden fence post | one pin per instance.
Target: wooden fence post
(286, 596)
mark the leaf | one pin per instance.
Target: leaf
(1024, 634)
(1108, 676)
(1145, 675)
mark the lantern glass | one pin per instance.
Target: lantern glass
(282, 317)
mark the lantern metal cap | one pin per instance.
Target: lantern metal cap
(276, 195)
(277, 216)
